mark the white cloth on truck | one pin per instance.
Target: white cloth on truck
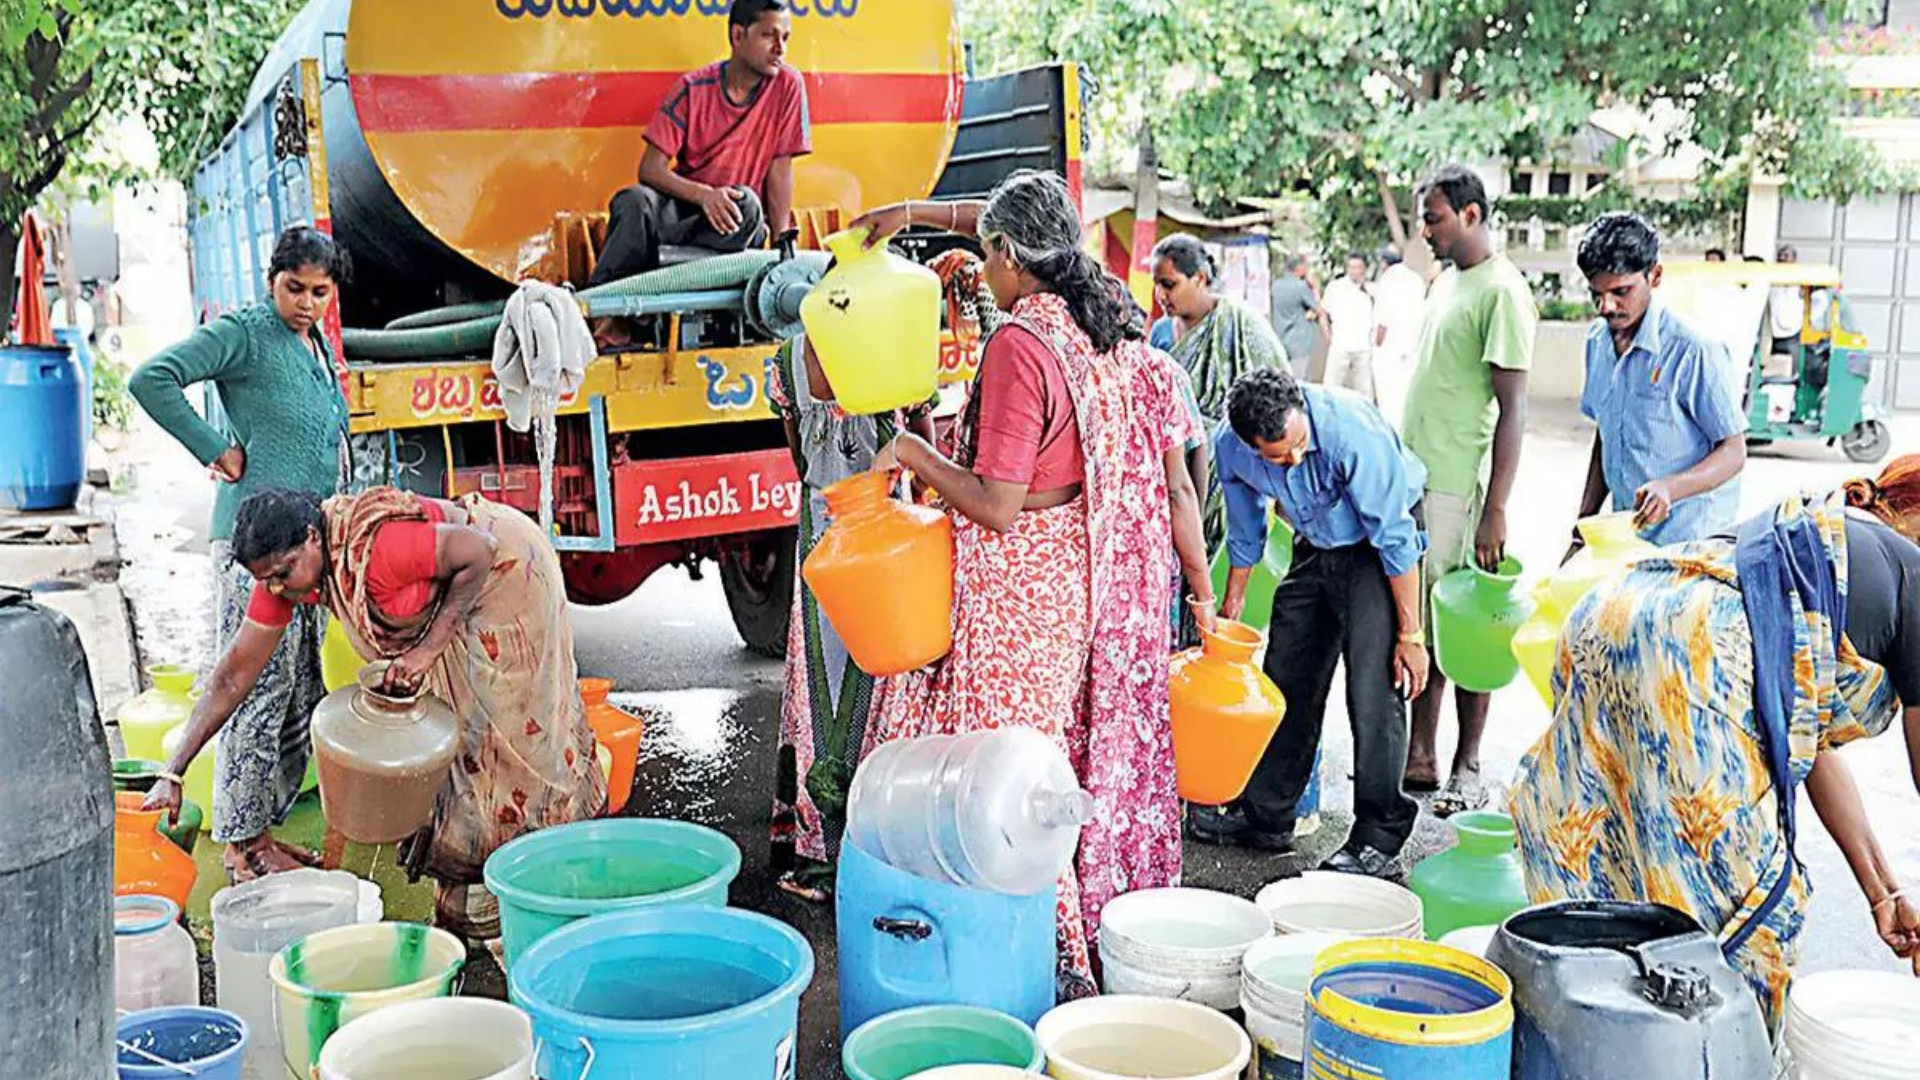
(540, 356)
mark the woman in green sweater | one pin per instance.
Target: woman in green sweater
(285, 427)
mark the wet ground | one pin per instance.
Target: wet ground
(713, 711)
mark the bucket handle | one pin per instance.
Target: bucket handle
(539, 1044)
(904, 929)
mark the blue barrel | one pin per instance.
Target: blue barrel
(1393, 1009)
(549, 878)
(205, 1043)
(907, 941)
(43, 413)
(677, 993)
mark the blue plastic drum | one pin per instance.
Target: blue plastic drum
(1408, 1010)
(43, 423)
(907, 941)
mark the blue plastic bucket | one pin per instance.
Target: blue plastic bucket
(906, 941)
(206, 1043)
(1395, 1009)
(665, 993)
(43, 423)
(547, 879)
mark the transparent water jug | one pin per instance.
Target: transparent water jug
(154, 962)
(996, 810)
(253, 921)
(383, 759)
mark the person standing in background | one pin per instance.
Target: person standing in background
(286, 427)
(1295, 310)
(1671, 439)
(1466, 418)
(1352, 329)
(1786, 310)
(1399, 295)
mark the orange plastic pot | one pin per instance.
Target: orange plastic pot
(146, 863)
(619, 732)
(883, 575)
(1225, 711)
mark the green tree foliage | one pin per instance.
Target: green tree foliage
(1351, 101)
(68, 67)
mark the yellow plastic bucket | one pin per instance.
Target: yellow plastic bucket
(1397, 1009)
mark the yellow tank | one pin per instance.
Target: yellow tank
(487, 118)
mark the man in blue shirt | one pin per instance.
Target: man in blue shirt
(1351, 491)
(1672, 438)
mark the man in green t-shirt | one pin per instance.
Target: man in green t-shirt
(1466, 413)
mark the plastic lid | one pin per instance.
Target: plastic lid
(136, 915)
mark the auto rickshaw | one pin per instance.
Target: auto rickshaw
(1813, 386)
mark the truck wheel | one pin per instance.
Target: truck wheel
(1867, 442)
(758, 578)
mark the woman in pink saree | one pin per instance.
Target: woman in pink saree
(1067, 484)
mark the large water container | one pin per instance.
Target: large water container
(906, 941)
(58, 961)
(998, 810)
(1605, 989)
(43, 418)
(255, 920)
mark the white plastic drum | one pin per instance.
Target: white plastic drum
(440, 1039)
(1328, 903)
(1179, 943)
(1273, 996)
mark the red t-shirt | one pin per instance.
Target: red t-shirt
(1027, 431)
(711, 140)
(400, 574)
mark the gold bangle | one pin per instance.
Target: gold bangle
(1417, 637)
(1891, 897)
(171, 777)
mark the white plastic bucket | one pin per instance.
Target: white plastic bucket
(441, 1039)
(373, 904)
(1328, 903)
(1471, 939)
(1126, 1037)
(1273, 995)
(1179, 943)
(1854, 1025)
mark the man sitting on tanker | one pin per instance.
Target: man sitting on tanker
(717, 170)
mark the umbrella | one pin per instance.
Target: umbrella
(31, 322)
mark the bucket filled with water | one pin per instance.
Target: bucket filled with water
(439, 1039)
(547, 879)
(165, 1044)
(1273, 997)
(1327, 903)
(1854, 1025)
(1408, 1010)
(909, 1042)
(326, 980)
(1179, 943)
(687, 993)
(1127, 1037)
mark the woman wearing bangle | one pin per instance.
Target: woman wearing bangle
(1714, 677)
(1068, 489)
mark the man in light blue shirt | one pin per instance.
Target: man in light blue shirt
(1342, 479)
(1672, 438)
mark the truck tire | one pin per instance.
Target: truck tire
(758, 578)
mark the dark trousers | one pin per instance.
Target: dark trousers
(641, 221)
(1335, 605)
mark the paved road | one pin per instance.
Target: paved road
(714, 708)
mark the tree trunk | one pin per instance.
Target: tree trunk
(9, 254)
(62, 252)
(1406, 233)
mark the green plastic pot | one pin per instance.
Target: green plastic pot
(139, 775)
(1475, 615)
(1477, 882)
(1273, 567)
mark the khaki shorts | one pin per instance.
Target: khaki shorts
(1452, 522)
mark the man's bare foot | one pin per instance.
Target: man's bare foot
(1422, 776)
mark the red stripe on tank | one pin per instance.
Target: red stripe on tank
(547, 100)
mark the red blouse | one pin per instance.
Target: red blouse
(400, 573)
(1026, 429)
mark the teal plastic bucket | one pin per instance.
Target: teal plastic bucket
(547, 879)
(665, 993)
(912, 1041)
(1395, 1009)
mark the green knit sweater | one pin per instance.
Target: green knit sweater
(283, 406)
